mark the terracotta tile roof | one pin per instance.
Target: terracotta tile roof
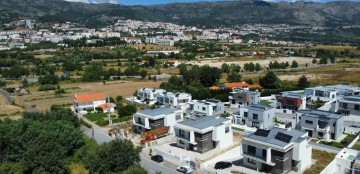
(82, 98)
(255, 86)
(236, 84)
(261, 53)
(106, 106)
(214, 88)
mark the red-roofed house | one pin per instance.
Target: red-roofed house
(84, 101)
(236, 86)
(261, 53)
(174, 63)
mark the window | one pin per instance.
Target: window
(251, 149)
(178, 117)
(245, 114)
(255, 116)
(227, 129)
(181, 142)
(203, 108)
(357, 107)
(255, 124)
(345, 105)
(251, 161)
(308, 122)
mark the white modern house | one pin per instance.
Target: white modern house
(209, 107)
(83, 102)
(350, 105)
(149, 94)
(276, 151)
(204, 134)
(331, 93)
(346, 161)
(257, 115)
(151, 119)
(244, 97)
(176, 100)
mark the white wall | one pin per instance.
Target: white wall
(231, 154)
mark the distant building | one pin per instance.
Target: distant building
(235, 86)
(174, 63)
(164, 52)
(331, 93)
(276, 151)
(257, 115)
(29, 24)
(148, 93)
(83, 102)
(209, 107)
(16, 45)
(321, 124)
(204, 134)
(151, 119)
(176, 100)
(291, 101)
(350, 105)
(244, 97)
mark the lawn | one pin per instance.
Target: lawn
(322, 160)
(342, 143)
(239, 129)
(95, 116)
(265, 102)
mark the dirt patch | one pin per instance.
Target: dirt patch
(295, 77)
(42, 100)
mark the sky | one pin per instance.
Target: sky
(154, 2)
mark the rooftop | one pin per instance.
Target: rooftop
(348, 154)
(236, 84)
(319, 114)
(204, 122)
(259, 107)
(158, 111)
(352, 98)
(82, 98)
(278, 136)
(293, 95)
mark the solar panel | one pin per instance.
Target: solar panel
(262, 132)
(283, 137)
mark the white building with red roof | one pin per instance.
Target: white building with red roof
(84, 101)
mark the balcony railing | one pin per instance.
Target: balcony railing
(182, 136)
(256, 156)
(140, 122)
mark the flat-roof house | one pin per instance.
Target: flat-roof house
(84, 101)
(350, 105)
(209, 107)
(291, 101)
(276, 150)
(346, 161)
(149, 93)
(244, 97)
(257, 115)
(331, 93)
(320, 124)
(151, 119)
(204, 134)
(177, 100)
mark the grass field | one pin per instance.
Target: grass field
(42, 100)
(322, 160)
(95, 116)
(9, 111)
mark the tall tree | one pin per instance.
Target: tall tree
(270, 81)
(234, 77)
(303, 82)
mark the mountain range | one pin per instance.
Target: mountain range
(210, 14)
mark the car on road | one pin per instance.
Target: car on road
(184, 169)
(222, 165)
(157, 158)
(355, 126)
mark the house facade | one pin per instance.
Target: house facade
(350, 105)
(244, 98)
(151, 119)
(276, 151)
(331, 93)
(258, 116)
(149, 93)
(321, 124)
(84, 102)
(291, 101)
(176, 100)
(209, 107)
(235, 86)
(204, 134)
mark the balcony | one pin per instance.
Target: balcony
(182, 136)
(253, 155)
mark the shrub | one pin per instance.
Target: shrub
(47, 87)
(60, 91)
(99, 109)
(89, 109)
(102, 122)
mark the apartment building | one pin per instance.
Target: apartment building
(204, 134)
(149, 93)
(257, 115)
(291, 101)
(350, 105)
(277, 150)
(320, 124)
(151, 119)
(176, 100)
(244, 98)
(209, 107)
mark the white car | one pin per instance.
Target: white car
(184, 169)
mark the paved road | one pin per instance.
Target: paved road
(7, 96)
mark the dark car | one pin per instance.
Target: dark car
(157, 158)
(222, 165)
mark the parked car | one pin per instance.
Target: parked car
(157, 158)
(222, 165)
(184, 169)
(355, 126)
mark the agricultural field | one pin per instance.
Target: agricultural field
(9, 111)
(42, 100)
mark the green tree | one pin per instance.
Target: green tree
(294, 64)
(115, 156)
(257, 67)
(270, 81)
(234, 77)
(143, 73)
(303, 82)
(182, 68)
(225, 68)
(127, 110)
(314, 61)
